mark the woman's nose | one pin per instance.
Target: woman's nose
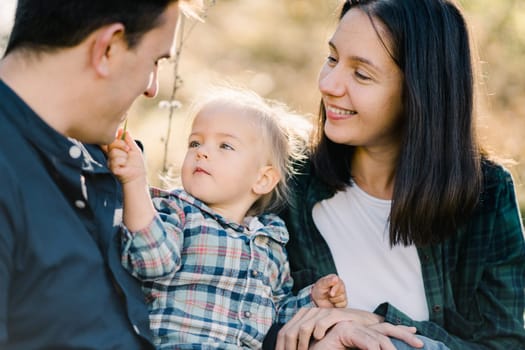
(331, 82)
(153, 84)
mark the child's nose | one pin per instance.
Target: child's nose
(201, 154)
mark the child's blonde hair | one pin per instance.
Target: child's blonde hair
(285, 132)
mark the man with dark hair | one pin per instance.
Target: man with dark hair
(70, 72)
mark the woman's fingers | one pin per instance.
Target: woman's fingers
(308, 323)
(294, 333)
(404, 333)
(348, 334)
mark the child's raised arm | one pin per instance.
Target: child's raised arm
(125, 160)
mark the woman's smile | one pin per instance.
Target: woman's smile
(336, 113)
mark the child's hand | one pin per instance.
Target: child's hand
(125, 158)
(329, 291)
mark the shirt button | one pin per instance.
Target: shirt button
(136, 329)
(80, 204)
(75, 152)
(255, 273)
(247, 314)
(436, 308)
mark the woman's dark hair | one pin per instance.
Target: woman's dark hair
(42, 26)
(438, 176)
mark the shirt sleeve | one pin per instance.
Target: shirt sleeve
(154, 252)
(286, 302)
(492, 315)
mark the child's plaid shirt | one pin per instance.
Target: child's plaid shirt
(210, 282)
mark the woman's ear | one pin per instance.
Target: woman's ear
(267, 180)
(103, 47)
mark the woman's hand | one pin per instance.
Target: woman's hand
(348, 334)
(315, 322)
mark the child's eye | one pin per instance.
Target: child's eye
(331, 60)
(193, 144)
(226, 146)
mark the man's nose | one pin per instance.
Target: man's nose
(153, 84)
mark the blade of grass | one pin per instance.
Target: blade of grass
(123, 136)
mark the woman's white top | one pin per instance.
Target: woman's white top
(355, 226)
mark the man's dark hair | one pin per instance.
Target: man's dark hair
(44, 26)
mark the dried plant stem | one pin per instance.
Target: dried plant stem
(181, 36)
(176, 83)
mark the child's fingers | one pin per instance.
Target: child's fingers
(126, 137)
(338, 287)
(327, 282)
(341, 304)
(131, 143)
(120, 131)
(337, 298)
(339, 301)
(122, 138)
(334, 290)
(117, 152)
(117, 158)
(118, 144)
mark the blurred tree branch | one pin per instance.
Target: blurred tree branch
(182, 34)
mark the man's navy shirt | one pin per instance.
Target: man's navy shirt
(61, 282)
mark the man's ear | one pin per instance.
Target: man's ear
(103, 46)
(267, 180)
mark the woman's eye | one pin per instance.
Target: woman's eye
(361, 76)
(226, 146)
(193, 144)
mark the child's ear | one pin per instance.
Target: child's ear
(104, 41)
(267, 180)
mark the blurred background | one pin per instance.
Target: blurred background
(277, 49)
